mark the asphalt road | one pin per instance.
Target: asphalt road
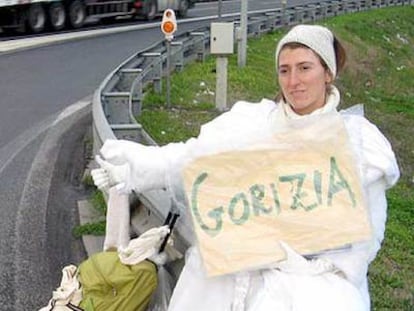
(38, 195)
(42, 150)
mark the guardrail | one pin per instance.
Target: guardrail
(119, 97)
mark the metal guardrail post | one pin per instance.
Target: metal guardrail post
(127, 77)
(131, 132)
(177, 55)
(298, 15)
(272, 21)
(254, 27)
(136, 93)
(156, 70)
(199, 46)
(344, 6)
(117, 107)
(335, 8)
(312, 12)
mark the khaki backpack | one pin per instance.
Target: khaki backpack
(109, 285)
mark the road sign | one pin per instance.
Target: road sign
(169, 24)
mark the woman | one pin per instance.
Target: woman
(308, 59)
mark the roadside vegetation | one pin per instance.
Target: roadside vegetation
(379, 74)
(97, 202)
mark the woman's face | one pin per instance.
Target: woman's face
(303, 79)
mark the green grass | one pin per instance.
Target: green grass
(379, 74)
(98, 203)
(90, 228)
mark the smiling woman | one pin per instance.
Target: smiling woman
(306, 69)
(308, 59)
(302, 79)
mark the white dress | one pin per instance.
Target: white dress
(320, 287)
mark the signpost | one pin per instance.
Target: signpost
(284, 3)
(242, 46)
(168, 27)
(221, 44)
(219, 9)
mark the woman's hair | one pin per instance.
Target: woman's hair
(340, 54)
(340, 59)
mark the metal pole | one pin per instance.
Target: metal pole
(284, 2)
(221, 82)
(168, 72)
(242, 46)
(219, 9)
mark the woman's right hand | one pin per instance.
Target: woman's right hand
(109, 175)
(130, 166)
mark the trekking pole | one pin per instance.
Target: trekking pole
(170, 221)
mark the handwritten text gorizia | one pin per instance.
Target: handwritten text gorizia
(242, 206)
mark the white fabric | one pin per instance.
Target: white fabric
(294, 292)
(117, 220)
(331, 105)
(117, 237)
(108, 174)
(244, 124)
(69, 291)
(144, 246)
(297, 264)
(141, 160)
(320, 39)
(241, 288)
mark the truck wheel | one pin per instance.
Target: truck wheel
(57, 16)
(151, 9)
(36, 18)
(76, 14)
(183, 8)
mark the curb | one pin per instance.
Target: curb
(87, 214)
(32, 211)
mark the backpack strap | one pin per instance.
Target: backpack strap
(73, 307)
(69, 305)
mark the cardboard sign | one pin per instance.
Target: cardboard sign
(296, 188)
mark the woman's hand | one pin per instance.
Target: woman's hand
(108, 174)
(295, 263)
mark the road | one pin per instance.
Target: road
(42, 147)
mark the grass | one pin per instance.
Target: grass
(379, 74)
(98, 203)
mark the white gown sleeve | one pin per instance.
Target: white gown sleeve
(152, 167)
(379, 159)
(379, 170)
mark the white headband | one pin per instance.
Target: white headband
(318, 38)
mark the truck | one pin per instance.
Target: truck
(35, 16)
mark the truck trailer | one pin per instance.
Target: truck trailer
(35, 16)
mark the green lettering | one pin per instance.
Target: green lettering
(337, 183)
(246, 211)
(275, 198)
(296, 195)
(317, 185)
(215, 214)
(257, 193)
(299, 194)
